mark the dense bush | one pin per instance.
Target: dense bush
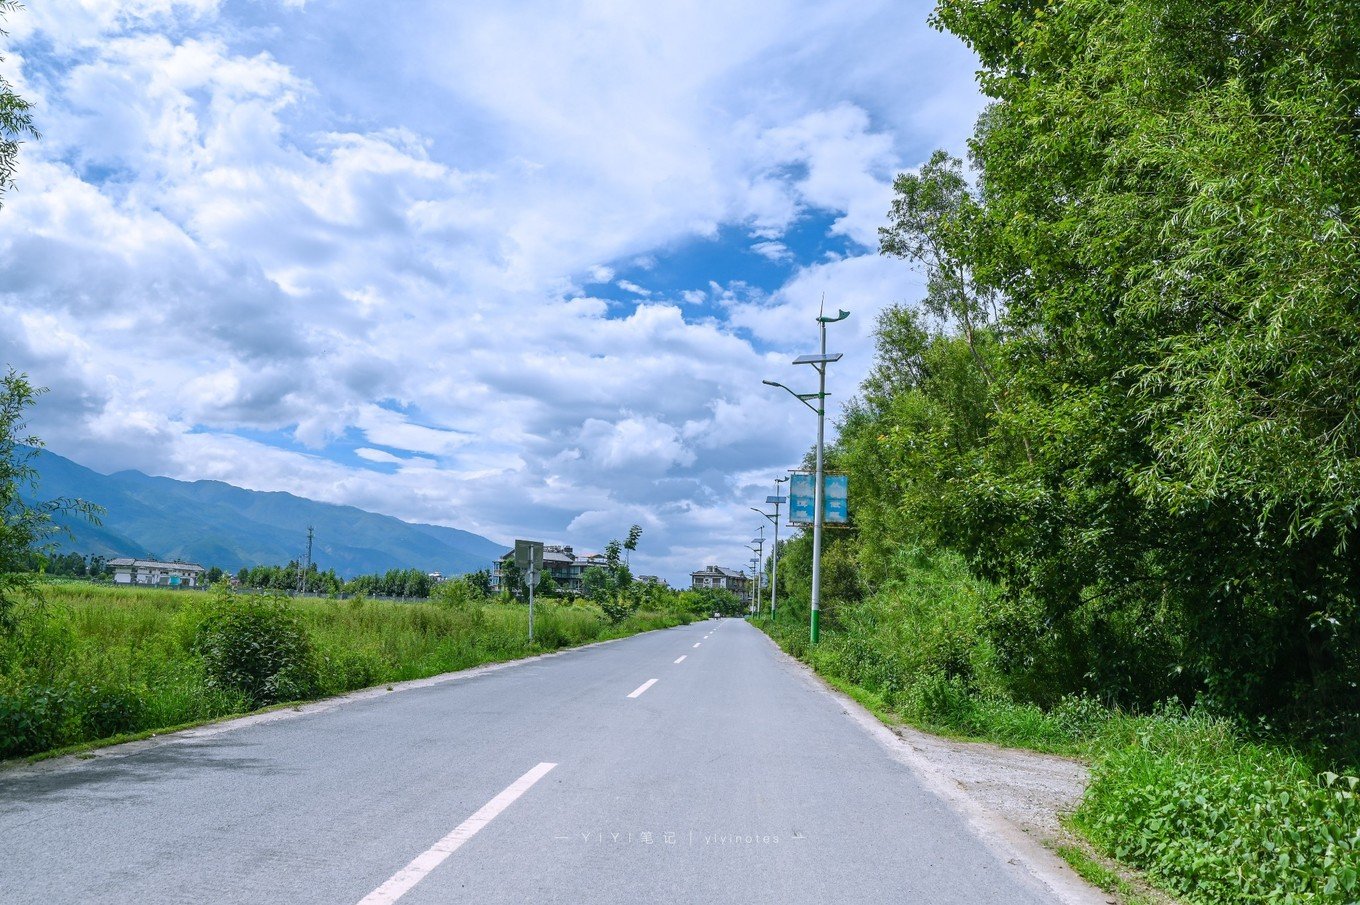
(1220, 821)
(32, 718)
(257, 648)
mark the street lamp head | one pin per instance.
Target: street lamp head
(773, 383)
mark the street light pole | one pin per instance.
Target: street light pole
(778, 501)
(759, 550)
(819, 362)
(774, 569)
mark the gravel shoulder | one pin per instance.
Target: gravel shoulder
(1031, 790)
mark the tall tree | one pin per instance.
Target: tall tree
(1170, 192)
(25, 528)
(16, 117)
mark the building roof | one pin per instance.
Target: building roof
(155, 564)
(719, 570)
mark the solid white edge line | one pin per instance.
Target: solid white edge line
(1013, 846)
(643, 687)
(682, 658)
(401, 882)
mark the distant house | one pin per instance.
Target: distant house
(435, 577)
(722, 579)
(649, 579)
(153, 572)
(561, 563)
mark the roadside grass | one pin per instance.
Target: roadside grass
(1205, 810)
(90, 664)
(1097, 874)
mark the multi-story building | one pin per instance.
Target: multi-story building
(560, 562)
(722, 579)
(149, 571)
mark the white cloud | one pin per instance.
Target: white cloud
(775, 251)
(220, 234)
(634, 288)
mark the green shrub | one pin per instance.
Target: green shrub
(105, 710)
(257, 648)
(32, 718)
(1218, 820)
(617, 607)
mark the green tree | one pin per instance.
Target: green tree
(480, 581)
(26, 528)
(631, 544)
(1167, 200)
(595, 584)
(16, 118)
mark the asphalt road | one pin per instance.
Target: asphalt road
(730, 778)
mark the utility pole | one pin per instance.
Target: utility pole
(307, 566)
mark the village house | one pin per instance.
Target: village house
(153, 572)
(561, 564)
(720, 578)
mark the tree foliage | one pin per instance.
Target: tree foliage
(26, 528)
(16, 117)
(1130, 393)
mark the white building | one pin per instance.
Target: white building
(151, 572)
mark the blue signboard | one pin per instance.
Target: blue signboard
(802, 506)
(836, 505)
(800, 499)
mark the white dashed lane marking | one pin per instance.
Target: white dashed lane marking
(402, 881)
(643, 687)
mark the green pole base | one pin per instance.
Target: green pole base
(816, 628)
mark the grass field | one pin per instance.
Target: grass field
(90, 662)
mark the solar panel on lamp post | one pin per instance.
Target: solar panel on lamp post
(819, 362)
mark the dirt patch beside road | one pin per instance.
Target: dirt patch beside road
(1029, 789)
(1033, 792)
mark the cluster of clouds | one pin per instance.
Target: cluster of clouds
(373, 256)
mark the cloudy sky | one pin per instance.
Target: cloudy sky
(516, 267)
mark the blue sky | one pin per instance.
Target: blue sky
(517, 268)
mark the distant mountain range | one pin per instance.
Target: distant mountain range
(217, 524)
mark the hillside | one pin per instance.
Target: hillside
(214, 523)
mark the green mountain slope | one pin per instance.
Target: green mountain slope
(213, 523)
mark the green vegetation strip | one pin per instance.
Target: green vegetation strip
(100, 663)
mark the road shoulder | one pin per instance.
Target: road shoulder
(1008, 840)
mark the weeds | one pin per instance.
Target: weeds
(95, 662)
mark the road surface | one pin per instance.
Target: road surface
(696, 764)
